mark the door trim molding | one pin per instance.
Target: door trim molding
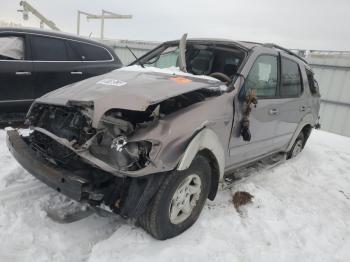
(16, 101)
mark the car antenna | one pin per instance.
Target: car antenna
(137, 59)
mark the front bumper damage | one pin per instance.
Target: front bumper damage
(62, 180)
(125, 196)
(87, 157)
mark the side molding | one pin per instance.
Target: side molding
(205, 139)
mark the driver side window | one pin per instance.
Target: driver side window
(263, 76)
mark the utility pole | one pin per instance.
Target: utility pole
(43, 20)
(105, 15)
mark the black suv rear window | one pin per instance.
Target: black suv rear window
(291, 79)
(89, 52)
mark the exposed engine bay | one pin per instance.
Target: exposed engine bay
(110, 141)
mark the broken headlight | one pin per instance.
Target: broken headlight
(130, 155)
(123, 154)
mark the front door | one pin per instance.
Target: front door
(16, 79)
(264, 78)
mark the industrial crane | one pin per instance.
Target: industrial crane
(105, 15)
(43, 20)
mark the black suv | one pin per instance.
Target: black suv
(35, 62)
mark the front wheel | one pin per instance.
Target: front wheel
(179, 201)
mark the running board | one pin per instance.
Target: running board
(254, 168)
(13, 119)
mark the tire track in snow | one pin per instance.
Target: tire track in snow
(29, 191)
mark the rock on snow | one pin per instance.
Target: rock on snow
(300, 212)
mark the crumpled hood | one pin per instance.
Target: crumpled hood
(132, 88)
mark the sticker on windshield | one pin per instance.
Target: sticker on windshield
(111, 82)
(181, 80)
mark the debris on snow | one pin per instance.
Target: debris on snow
(241, 198)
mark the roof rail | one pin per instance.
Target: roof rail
(271, 45)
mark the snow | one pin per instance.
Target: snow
(300, 212)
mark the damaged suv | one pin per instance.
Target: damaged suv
(153, 140)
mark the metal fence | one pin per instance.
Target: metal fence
(332, 71)
(138, 48)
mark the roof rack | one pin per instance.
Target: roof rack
(271, 45)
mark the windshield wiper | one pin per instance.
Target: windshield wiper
(137, 59)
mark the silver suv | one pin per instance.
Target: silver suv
(153, 140)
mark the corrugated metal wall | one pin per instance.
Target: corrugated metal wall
(138, 48)
(332, 70)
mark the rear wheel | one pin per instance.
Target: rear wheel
(297, 146)
(179, 201)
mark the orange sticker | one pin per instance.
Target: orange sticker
(181, 80)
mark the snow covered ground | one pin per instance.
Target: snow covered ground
(300, 212)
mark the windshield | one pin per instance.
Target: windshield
(201, 59)
(165, 59)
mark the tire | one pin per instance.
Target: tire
(297, 146)
(159, 220)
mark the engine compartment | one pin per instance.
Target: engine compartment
(109, 142)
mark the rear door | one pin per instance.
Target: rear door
(16, 78)
(51, 63)
(96, 60)
(264, 78)
(293, 104)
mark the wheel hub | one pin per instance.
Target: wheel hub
(297, 148)
(185, 199)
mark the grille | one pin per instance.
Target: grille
(50, 149)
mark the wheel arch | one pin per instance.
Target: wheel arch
(304, 126)
(207, 144)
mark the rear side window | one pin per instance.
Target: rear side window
(263, 76)
(73, 55)
(11, 48)
(291, 79)
(89, 52)
(48, 49)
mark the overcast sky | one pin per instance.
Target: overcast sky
(306, 24)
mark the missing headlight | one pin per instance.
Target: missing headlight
(118, 143)
(121, 153)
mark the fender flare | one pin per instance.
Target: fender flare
(205, 139)
(307, 120)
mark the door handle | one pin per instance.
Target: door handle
(76, 73)
(21, 73)
(274, 111)
(302, 108)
